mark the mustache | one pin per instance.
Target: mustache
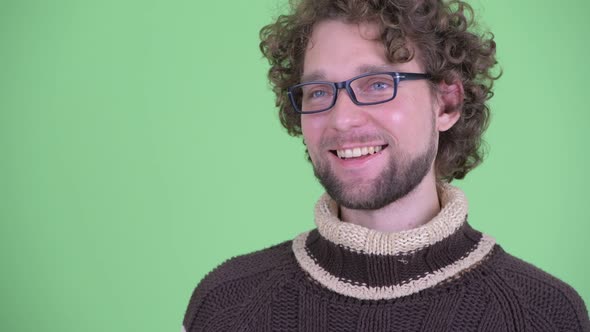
(335, 141)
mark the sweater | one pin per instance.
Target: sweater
(442, 276)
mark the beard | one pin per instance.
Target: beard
(402, 174)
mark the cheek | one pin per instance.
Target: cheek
(312, 130)
(395, 123)
(407, 125)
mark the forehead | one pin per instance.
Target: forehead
(342, 42)
(337, 50)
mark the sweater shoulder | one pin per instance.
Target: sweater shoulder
(233, 281)
(545, 296)
(249, 265)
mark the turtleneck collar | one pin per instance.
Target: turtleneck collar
(359, 262)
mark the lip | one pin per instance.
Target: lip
(352, 146)
(359, 161)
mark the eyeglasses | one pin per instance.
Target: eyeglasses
(366, 89)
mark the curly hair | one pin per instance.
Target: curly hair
(443, 32)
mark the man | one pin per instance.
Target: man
(390, 98)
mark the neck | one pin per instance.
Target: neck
(409, 212)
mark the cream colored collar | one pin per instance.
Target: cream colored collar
(366, 264)
(358, 238)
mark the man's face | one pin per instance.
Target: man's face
(403, 130)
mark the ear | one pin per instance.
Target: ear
(450, 100)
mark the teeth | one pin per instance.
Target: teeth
(358, 152)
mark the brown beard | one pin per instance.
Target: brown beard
(398, 179)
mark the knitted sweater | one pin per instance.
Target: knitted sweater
(443, 276)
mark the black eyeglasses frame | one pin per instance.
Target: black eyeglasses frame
(336, 86)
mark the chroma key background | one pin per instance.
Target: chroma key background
(140, 148)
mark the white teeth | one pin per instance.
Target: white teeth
(358, 152)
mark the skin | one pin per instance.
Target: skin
(409, 124)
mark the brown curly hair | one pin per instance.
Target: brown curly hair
(449, 47)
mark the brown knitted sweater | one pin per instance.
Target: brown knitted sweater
(443, 276)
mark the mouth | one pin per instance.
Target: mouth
(358, 152)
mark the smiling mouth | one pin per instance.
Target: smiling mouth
(358, 152)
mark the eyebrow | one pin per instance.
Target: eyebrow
(320, 75)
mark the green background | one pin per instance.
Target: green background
(140, 148)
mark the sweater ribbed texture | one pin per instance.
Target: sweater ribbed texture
(443, 276)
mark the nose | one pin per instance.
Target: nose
(345, 114)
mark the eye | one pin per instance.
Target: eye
(377, 86)
(318, 94)
(317, 91)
